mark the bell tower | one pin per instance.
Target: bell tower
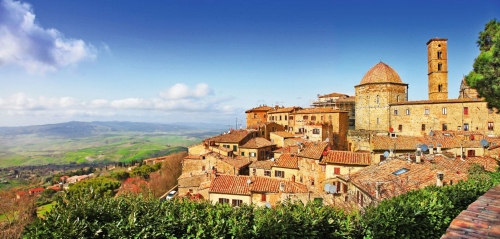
(437, 66)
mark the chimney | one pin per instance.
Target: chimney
(438, 148)
(418, 156)
(439, 179)
(431, 149)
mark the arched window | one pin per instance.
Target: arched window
(439, 66)
(397, 98)
(440, 87)
(378, 99)
(439, 54)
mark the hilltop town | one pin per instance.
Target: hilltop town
(349, 150)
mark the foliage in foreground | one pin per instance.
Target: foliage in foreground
(422, 213)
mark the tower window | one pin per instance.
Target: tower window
(426, 111)
(439, 66)
(440, 88)
(490, 126)
(407, 111)
(400, 127)
(444, 110)
(444, 127)
(397, 98)
(466, 110)
(439, 54)
(395, 112)
(378, 120)
(423, 127)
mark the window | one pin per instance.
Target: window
(242, 153)
(397, 98)
(439, 67)
(291, 117)
(344, 188)
(323, 168)
(252, 154)
(444, 110)
(312, 182)
(237, 202)
(444, 127)
(400, 171)
(407, 111)
(313, 118)
(263, 197)
(305, 117)
(395, 112)
(378, 99)
(315, 131)
(202, 168)
(272, 117)
(254, 115)
(223, 200)
(190, 190)
(235, 148)
(285, 117)
(336, 170)
(459, 128)
(423, 127)
(280, 117)
(490, 125)
(382, 158)
(426, 111)
(267, 173)
(254, 171)
(466, 127)
(400, 127)
(439, 53)
(466, 110)
(378, 120)
(279, 174)
(471, 153)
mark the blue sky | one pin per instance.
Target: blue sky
(209, 61)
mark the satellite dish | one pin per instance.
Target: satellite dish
(327, 187)
(268, 205)
(249, 181)
(484, 142)
(386, 154)
(431, 133)
(333, 189)
(424, 147)
(272, 159)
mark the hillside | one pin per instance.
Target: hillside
(97, 141)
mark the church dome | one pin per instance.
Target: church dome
(381, 73)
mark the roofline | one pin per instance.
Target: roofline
(436, 39)
(372, 83)
(250, 194)
(447, 101)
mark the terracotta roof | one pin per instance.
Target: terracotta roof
(347, 99)
(287, 160)
(334, 94)
(284, 110)
(229, 184)
(419, 175)
(238, 162)
(444, 101)
(255, 143)
(480, 220)
(400, 142)
(192, 156)
(284, 134)
(234, 136)
(289, 149)
(318, 110)
(238, 185)
(292, 142)
(259, 108)
(266, 164)
(313, 150)
(35, 190)
(381, 73)
(347, 157)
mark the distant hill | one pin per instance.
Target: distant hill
(75, 129)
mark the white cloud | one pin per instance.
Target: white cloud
(23, 42)
(182, 91)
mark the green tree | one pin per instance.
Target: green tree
(121, 175)
(485, 76)
(100, 186)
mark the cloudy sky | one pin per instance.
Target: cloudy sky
(209, 61)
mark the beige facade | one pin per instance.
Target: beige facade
(257, 115)
(420, 117)
(220, 197)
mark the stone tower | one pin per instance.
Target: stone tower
(380, 87)
(437, 56)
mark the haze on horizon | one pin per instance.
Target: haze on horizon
(199, 61)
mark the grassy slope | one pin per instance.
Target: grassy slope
(123, 147)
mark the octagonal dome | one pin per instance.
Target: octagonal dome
(381, 73)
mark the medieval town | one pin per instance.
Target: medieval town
(349, 150)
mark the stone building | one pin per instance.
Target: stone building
(257, 115)
(380, 87)
(337, 101)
